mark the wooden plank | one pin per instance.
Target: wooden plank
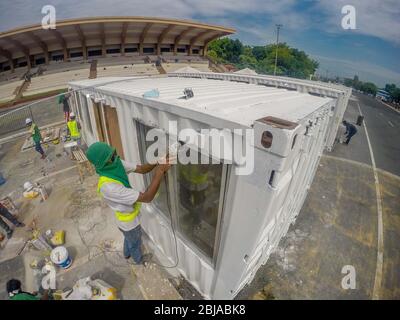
(113, 129)
(98, 118)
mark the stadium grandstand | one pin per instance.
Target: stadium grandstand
(36, 61)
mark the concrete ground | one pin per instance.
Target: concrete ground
(92, 237)
(338, 224)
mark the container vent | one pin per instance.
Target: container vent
(278, 123)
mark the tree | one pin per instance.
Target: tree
(393, 91)
(368, 87)
(291, 62)
(212, 54)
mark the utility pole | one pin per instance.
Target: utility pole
(278, 27)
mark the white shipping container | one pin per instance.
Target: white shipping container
(240, 218)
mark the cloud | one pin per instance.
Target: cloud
(365, 70)
(254, 20)
(376, 18)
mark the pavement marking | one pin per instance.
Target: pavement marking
(391, 124)
(362, 164)
(388, 105)
(379, 260)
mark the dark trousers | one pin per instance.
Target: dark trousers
(7, 214)
(38, 148)
(349, 138)
(133, 244)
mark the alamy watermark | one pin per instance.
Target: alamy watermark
(49, 20)
(206, 146)
(349, 280)
(349, 18)
(49, 278)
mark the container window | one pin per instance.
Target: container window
(266, 139)
(160, 200)
(199, 188)
(192, 195)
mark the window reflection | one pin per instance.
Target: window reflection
(160, 200)
(199, 195)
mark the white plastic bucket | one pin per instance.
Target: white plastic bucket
(60, 257)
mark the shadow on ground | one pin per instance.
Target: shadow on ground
(336, 227)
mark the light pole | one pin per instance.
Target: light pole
(278, 27)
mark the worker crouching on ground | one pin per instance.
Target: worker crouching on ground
(35, 134)
(7, 214)
(74, 128)
(15, 292)
(124, 200)
(351, 130)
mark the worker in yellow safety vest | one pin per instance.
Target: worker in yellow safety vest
(73, 128)
(121, 197)
(193, 181)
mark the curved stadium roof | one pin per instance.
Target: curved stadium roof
(104, 31)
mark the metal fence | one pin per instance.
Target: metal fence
(42, 112)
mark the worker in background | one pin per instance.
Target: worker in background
(351, 130)
(7, 214)
(35, 134)
(73, 128)
(193, 185)
(64, 100)
(15, 292)
(121, 197)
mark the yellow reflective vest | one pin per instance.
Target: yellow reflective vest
(121, 216)
(73, 129)
(193, 174)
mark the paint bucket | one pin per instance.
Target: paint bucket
(60, 257)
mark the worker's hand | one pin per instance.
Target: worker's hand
(171, 159)
(164, 167)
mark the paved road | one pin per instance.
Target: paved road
(383, 125)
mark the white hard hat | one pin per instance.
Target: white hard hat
(72, 114)
(28, 186)
(28, 120)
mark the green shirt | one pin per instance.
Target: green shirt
(35, 133)
(24, 296)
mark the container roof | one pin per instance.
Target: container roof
(236, 102)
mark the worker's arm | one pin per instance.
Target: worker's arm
(144, 168)
(151, 191)
(45, 295)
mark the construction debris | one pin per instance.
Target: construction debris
(48, 135)
(88, 289)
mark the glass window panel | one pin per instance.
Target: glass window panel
(160, 200)
(199, 189)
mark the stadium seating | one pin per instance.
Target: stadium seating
(16, 75)
(126, 70)
(201, 66)
(56, 75)
(54, 81)
(7, 90)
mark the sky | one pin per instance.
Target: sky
(371, 50)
